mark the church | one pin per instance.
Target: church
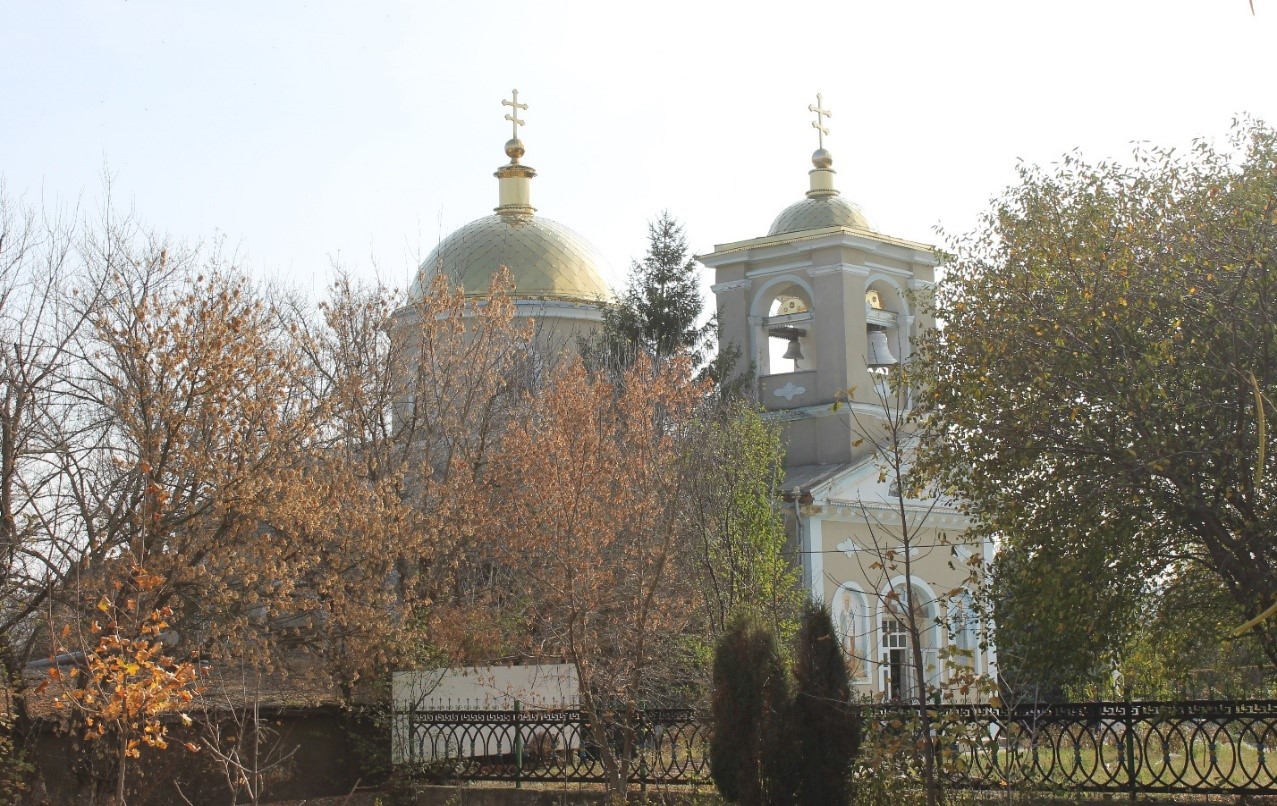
(822, 307)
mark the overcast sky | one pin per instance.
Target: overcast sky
(306, 132)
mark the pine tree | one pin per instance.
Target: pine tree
(658, 313)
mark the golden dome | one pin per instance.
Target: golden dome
(819, 212)
(823, 207)
(545, 259)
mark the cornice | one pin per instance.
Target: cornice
(840, 268)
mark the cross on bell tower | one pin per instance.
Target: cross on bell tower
(819, 124)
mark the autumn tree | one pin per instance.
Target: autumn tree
(1104, 383)
(414, 395)
(156, 413)
(189, 447)
(39, 254)
(899, 537)
(123, 690)
(590, 535)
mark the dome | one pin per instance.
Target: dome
(818, 212)
(545, 258)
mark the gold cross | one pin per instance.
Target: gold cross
(818, 124)
(513, 117)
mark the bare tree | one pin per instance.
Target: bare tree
(240, 743)
(898, 541)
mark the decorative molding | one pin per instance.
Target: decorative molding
(849, 547)
(885, 514)
(779, 268)
(789, 391)
(558, 309)
(755, 249)
(895, 271)
(730, 285)
(800, 413)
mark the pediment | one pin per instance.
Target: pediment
(871, 484)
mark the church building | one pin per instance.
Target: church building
(821, 308)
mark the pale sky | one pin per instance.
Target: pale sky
(304, 131)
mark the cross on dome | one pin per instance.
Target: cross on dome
(513, 115)
(821, 113)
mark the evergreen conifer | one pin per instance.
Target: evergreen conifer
(750, 698)
(658, 313)
(822, 730)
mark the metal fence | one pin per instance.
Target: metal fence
(1206, 747)
(667, 746)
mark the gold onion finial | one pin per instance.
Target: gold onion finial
(514, 180)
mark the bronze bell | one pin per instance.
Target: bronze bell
(879, 354)
(794, 352)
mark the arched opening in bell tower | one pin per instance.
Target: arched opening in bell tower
(886, 325)
(787, 339)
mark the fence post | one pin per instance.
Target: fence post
(518, 747)
(642, 747)
(1131, 773)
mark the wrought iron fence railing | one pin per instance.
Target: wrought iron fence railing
(668, 746)
(1207, 747)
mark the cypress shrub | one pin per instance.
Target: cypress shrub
(750, 697)
(822, 729)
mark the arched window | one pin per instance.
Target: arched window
(898, 679)
(964, 630)
(887, 341)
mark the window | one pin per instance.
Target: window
(964, 630)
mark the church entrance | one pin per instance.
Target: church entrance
(898, 678)
(900, 683)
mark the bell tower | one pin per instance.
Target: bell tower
(820, 308)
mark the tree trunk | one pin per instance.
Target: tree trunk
(119, 778)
